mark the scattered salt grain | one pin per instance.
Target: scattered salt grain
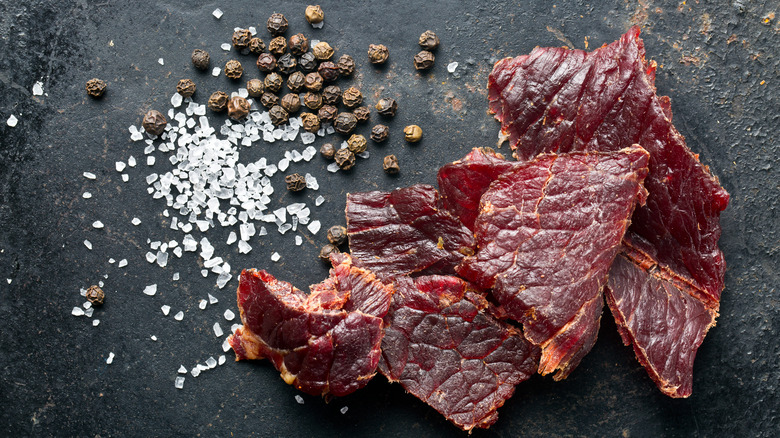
(120, 166)
(89, 175)
(452, 66)
(179, 381)
(221, 359)
(344, 410)
(175, 276)
(131, 161)
(213, 299)
(244, 247)
(150, 160)
(86, 195)
(125, 177)
(217, 330)
(97, 224)
(86, 304)
(88, 313)
(226, 346)
(298, 240)
(88, 244)
(307, 137)
(176, 100)
(182, 370)
(12, 120)
(77, 311)
(150, 289)
(299, 399)
(311, 182)
(110, 358)
(234, 327)
(320, 199)
(202, 304)
(179, 316)
(232, 238)
(314, 227)
(217, 13)
(122, 263)
(151, 257)
(318, 25)
(216, 71)
(195, 371)
(37, 88)
(333, 167)
(211, 362)
(162, 258)
(161, 61)
(229, 315)
(165, 309)
(153, 337)
(225, 47)
(275, 257)
(136, 221)
(95, 322)
(223, 279)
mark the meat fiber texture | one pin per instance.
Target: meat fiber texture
(547, 233)
(325, 343)
(444, 347)
(560, 100)
(405, 231)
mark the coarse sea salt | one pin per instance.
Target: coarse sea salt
(217, 13)
(153, 337)
(179, 316)
(88, 244)
(150, 289)
(86, 195)
(122, 263)
(216, 71)
(12, 121)
(77, 311)
(97, 224)
(95, 322)
(275, 257)
(37, 89)
(229, 315)
(452, 66)
(110, 358)
(182, 370)
(217, 330)
(221, 359)
(213, 299)
(89, 175)
(165, 309)
(161, 61)
(179, 382)
(211, 362)
(299, 399)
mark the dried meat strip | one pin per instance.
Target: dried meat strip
(326, 343)
(547, 233)
(444, 347)
(405, 231)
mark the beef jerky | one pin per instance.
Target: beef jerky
(547, 232)
(405, 231)
(326, 343)
(443, 346)
(566, 100)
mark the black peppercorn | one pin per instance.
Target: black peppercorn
(346, 65)
(313, 82)
(200, 59)
(312, 100)
(344, 158)
(362, 114)
(278, 115)
(295, 182)
(345, 123)
(328, 113)
(255, 87)
(357, 144)
(328, 151)
(241, 39)
(233, 69)
(308, 62)
(296, 81)
(273, 82)
(390, 164)
(328, 71)
(429, 40)
(286, 64)
(314, 14)
(96, 87)
(291, 102)
(238, 108)
(327, 250)
(299, 44)
(337, 235)
(379, 133)
(424, 60)
(387, 107)
(331, 94)
(377, 53)
(186, 87)
(322, 51)
(218, 101)
(277, 24)
(154, 122)
(95, 295)
(310, 122)
(269, 99)
(352, 97)
(412, 133)
(278, 45)
(266, 62)
(256, 46)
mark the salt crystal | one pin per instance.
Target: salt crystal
(298, 240)
(89, 175)
(122, 263)
(320, 199)
(86, 195)
(204, 272)
(307, 137)
(77, 311)
(364, 154)
(95, 322)
(125, 177)
(88, 244)
(176, 100)
(344, 410)
(86, 304)
(333, 167)
(217, 330)
(151, 257)
(226, 47)
(314, 227)
(211, 362)
(202, 304)
(131, 161)
(226, 346)
(284, 163)
(195, 371)
(299, 399)
(176, 276)
(221, 359)
(179, 381)
(120, 166)
(165, 309)
(182, 370)
(309, 153)
(275, 257)
(243, 92)
(179, 316)
(244, 247)
(12, 120)
(88, 313)
(136, 221)
(213, 299)
(37, 88)
(452, 66)
(162, 258)
(318, 25)
(223, 279)
(110, 358)
(311, 182)
(234, 327)
(150, 160)
(229, 315)
(154, 338)
(217, 13)
(97, 224)
(216, 71)
(150, 289)
(232, 238)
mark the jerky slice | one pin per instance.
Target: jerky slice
(442, 346)
(547, 232)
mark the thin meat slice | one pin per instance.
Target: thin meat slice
(547, 233)
(326, 343)
(445, 348)
(405, 231)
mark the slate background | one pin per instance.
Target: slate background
(717, 60)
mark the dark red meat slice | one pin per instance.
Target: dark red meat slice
(405, 231)
(324, 343)
(443, 347)
(547, 233)
(567, 100)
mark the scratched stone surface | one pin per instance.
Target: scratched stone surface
(718, 61)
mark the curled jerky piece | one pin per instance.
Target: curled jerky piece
(405, 231)
(547, 232)
(442, 346)
(324, 343)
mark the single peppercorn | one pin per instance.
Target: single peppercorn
(390, 164)
(234, 69)
(277, 24)
(424, 60)
(286, 64)
(346, 65)
(295, 182)
(310, 122)
(241, 39)
(201, 59)
(95, 295)
(96, 87)
(337, 235)
(357, 144)
(328, 113)
(327, 250)
(154, 122)
(218, 101)
(273, 82)
(278, 115)
(291, 102)
(352, 97)
(328, 71)
(278, 45)
(412, 133)
(255, 87)
(256, 46)
(299, 44)
(378, 53)
(186, 87)
(331, 94)
(312, 100)
(322, 51)
(266, 62)
(344, 158)
(296, 81)
(308, 62)
(379, 133)
(362, 114)
(345, 123)
(387, 107)
(313, 82)
(428, 40)
(328, 151)
(269, 99)
(238, 108)
(314, 14)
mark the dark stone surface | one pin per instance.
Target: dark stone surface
(717, 60)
